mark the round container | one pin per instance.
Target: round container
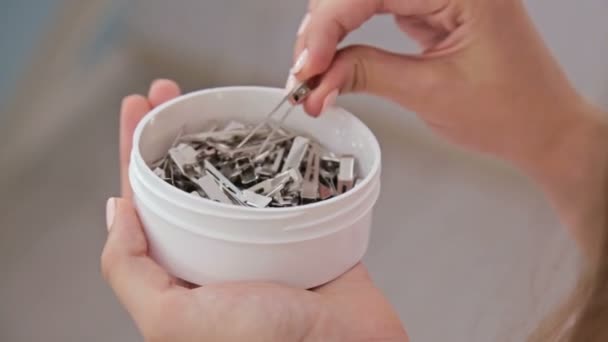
(204, 242)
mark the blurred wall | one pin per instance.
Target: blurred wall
(57, 56)
(21, 24)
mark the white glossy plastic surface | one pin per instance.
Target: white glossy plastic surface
(202, 241)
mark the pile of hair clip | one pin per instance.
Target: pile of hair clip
(266, 165)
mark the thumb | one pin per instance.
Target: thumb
(359, 68)
(135, 278)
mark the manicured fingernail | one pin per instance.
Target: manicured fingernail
(110, 211)
(330, 100)
(291, 82)
(304, 24)
(300, 62)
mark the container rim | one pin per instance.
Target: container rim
(137, 158)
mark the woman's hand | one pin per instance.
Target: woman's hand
(484, 80)
(164, 308)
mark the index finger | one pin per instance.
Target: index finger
(134, 108)
(331, 20)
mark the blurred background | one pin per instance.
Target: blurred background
(463, 246)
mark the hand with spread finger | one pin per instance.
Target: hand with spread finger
(484, 79)
(166, 309)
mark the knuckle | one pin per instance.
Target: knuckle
(107, 261)
(354, 60)
(110, 261)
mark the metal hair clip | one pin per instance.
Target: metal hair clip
(346, 174)
(294, 169)
(295, 97)
(244, 197)
(212, 189)
(310, 188)
(296, 153)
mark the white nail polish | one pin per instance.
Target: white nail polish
(300, 62)
(304, 24)
(291, 82)
(110, 212)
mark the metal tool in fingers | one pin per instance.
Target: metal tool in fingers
(295, 97)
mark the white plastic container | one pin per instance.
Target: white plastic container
(203, 241)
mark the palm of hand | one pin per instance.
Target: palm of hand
(349, 308)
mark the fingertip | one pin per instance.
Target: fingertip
(132, 109)
(163, 90)
(134, 102)
(164, 83)
(319, 42)
(312, 106)
(331, 84)
(320, 102)
(160, 81)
